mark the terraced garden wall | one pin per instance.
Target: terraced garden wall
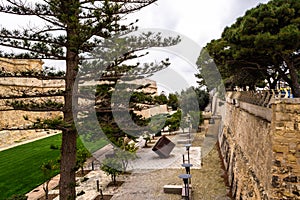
(260, 146)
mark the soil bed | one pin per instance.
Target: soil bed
(207, 182)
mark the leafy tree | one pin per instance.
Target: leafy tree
(161, 99)
(173, 121)
(112, 167)
(196, 118)
(82, 155)
(262, 45)
(193, 99)
(173, 101)
(209, 76)
(158, 123)
(125, 155)
(48, 169)
(71, 29)
(138, 100)
(117, 163)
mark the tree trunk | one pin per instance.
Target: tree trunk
(46, 189)
(67, 166)
(114, 179)
(295, 86)
(69, 135)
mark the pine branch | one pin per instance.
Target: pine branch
(24, 96)
(35, 105)
(33, 53)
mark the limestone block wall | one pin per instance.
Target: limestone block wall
(286, 149)
(261, 149)
(16, 65)
(155, 110)
(12, 86)
(247, 152)
(14, 119)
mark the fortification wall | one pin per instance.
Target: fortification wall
(261, 149)
(286, 148)
(12, 86)
(16, 65)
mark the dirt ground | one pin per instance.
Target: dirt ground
(207, 183)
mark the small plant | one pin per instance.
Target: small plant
(147, 137)
(82, 155)
(112, 166)
(48, 168)
(54, 147)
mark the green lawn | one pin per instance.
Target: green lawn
(20, 169)
(20, 166)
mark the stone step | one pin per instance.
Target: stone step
(187, 141)
(175, 189)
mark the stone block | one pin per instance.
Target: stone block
(283, 117)
(280, 148)
(291, 108)
(172, 189)
(291, 158)
(163, 147)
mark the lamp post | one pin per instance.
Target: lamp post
(189, 125)
(187, 167)
(187, 147)
(185, 178)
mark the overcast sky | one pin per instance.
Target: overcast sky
(200, 20)
(197, 21)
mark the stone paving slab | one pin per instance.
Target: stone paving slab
(148, 160)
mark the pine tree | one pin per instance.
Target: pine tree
(261, 45)
(71, 29)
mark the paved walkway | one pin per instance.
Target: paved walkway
(147, 160)
(211, 137)
(135, 185)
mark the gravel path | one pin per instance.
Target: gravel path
(207, 178)
(207, 182)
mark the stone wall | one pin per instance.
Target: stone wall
(10, 86)
(286, 148)
(24, 86)
(261, 149)
(154, 110)
(17, 65)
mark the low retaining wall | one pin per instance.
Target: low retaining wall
(261, 148)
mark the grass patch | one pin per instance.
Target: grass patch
(20, 168)
(93, 145)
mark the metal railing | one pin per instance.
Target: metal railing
(262, 98)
